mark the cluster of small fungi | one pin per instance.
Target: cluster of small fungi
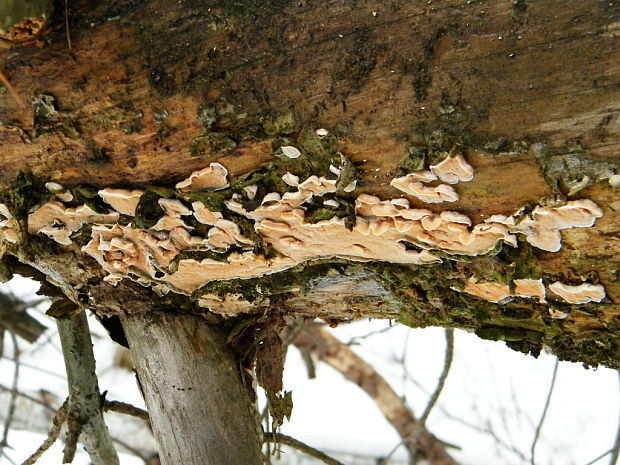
(384, 230)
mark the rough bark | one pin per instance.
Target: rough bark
(200, 408)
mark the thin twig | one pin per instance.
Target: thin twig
(130, 449)
(544, 413)
(11, 411)
(84, 415)
(39, 369)
(57, 422)
(354, 340)
(415, 434)
(11, 90)
(125, 409)
(67, 24)
(616, 449)
(444, 375)
(11, 461)
(301, 446)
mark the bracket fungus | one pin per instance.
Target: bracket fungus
(491, 292)
(59, 222)
(211, 178)
(535, 288)
(122, 200)
(580, 294)
(8, 226)
(376, 230)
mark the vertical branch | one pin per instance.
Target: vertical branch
(544, 413)
(201, 409)
(14, 392)
(615, 451)
(433, 400)
(84, 415)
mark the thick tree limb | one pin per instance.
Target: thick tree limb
(201, 411)
(340, 357)
(84, 411)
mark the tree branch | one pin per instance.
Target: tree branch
(544, 413)
(301, 446)
(14, 318)
(57, 422)
(84, 414)
(126, 409)
(340, 357)
(616, 449)
(11, 409)
(433, 400)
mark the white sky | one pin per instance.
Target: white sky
(489, 385)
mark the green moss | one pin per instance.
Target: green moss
(48, 119)
(148, 211)
(211, 144)
(283, 123)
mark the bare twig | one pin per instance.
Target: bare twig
(355, 339)
(616, 449)
(414, 437)
(301, 446)
(444, 375)
(340, 357)
(126, 409)
(544, 413)
(433, 400)
(11, 461)
(67, 24)
(39, 369)
(11, 411)
(57, 422)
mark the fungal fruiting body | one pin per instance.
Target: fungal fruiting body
(376, 230)
(535, 288)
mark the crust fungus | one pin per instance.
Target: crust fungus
(8, 225)
(58, 222)
(173, 210)
(204, 215)
(453, 169)
(382, 230)
(542, 227)
(580, 294)
(122, 200)
(429, 194)
(60, 192)
(230, 304)
(492, 292)
(211, 178)
(530, 288)
(289, 151)
(122, 250)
